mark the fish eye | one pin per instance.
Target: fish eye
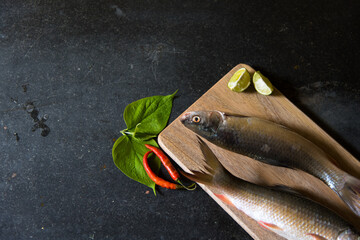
(196, 119)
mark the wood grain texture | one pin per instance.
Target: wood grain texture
(181, 145)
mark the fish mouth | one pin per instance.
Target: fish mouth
(184, 117)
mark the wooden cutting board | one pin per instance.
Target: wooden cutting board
(182, 146)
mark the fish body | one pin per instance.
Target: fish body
(288, 215)
(274, 144)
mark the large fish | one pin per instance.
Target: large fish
(274, 144)
(288, 215)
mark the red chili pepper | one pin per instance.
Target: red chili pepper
(165, 161)
(159, 181)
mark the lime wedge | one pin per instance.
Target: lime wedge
(262, 84)
(240, 80)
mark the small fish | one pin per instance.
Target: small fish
(287, 215)
(274, 144)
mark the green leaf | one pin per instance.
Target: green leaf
(147, 117)
(128, 155)
(144, 119)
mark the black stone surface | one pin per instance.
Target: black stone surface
(79, 63)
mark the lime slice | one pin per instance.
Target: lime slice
(262, 84)
(240, 80)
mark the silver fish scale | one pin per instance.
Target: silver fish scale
(296, 217)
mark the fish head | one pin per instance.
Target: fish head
(204, 123)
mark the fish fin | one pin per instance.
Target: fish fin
(198, 176)
(316, 237)
(287, 189)
(269, 226)
(212, 164)
(225, 199)
(332, 160)
(350, 193)
(214, 169)
(272, 162)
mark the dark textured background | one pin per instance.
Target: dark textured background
(81, 62)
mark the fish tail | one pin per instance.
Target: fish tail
(214, 172)
(350, 193)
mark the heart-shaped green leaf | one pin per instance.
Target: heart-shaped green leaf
(128, 155)
(147, 117)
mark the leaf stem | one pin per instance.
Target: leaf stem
(126, 132)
